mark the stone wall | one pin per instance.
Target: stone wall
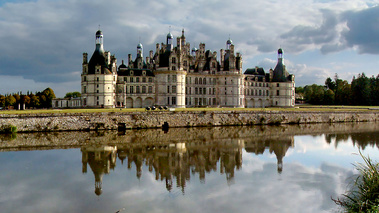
(156, 119)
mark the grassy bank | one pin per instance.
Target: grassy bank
(302, 108)
(364, 193)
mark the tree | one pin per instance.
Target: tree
(329, 97)
(73, 95)
(2, 101)
(330, 84)
(361, 90)
(314, 94)
(34, 101)
(10, 100)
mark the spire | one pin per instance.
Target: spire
(229, 42)
(139, 50)
(99, 41)
(170, 37)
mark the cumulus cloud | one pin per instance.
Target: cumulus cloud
(44, 39)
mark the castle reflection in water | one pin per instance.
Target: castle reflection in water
(174, 162)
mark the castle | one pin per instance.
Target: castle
(177, 76)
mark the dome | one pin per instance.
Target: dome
(99, 33)
(280, 51)
(194, 49)
(229, 41)
(169, 35)
(139, 45)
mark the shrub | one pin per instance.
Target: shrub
(364, 195)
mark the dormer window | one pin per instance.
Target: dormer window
(144, 73)
(131, 73)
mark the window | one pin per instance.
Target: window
(84, 89)
(185, 63)
(204, 91)
(150, 80)
(97, 86)
(173, 68)
(173, 60)
(260, 92)
(173, 89)
(150, 89)
(137, 79)
(200, 91)
(131, 79)
(143, 89)
(125, 79)
(131, 89)
(196, 91)
(85, 78)
(196, 81)
(214, 91)
(97, 79)
(137, 89)
(210, 91)
(277, 85)
(168, 78)
(204, 81)
(277, 92)
(168, 100)
(173, 100)
(143, 79)
(168, 89)
(174, 78)
(97, 91)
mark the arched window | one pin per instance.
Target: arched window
(204, 81)
(196, 81)
(200, 81)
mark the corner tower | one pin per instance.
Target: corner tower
(98, 77)
(282, 84)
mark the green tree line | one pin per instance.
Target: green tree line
(31, 100)
(362, 90)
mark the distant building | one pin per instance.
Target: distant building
(178, 76)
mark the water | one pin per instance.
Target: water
(226, 169)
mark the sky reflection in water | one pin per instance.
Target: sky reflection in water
(244, 169)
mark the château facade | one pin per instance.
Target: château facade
(178, 76)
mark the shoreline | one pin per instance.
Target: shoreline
(93, 121)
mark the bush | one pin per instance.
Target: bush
(364, 195)
(8, 129)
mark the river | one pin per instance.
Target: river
(289, 168)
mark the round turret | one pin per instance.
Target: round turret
(229, 42)
(139, 46)
(169, 35)
(280, 51)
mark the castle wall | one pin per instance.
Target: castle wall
(157, 119)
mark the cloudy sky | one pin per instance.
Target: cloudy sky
(42, 41)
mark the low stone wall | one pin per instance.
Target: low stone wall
(156, 119)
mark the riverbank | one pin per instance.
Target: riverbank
(121, 120)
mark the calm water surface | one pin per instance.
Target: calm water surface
(228, 169)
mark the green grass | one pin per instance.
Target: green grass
(302, 108)
(364, 195)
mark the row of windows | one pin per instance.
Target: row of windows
(256, 84)
(201, 101)
(201, 91)
(201, 80)
(257, 92)
(98, 79)
(138, 89)
(137, 79)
